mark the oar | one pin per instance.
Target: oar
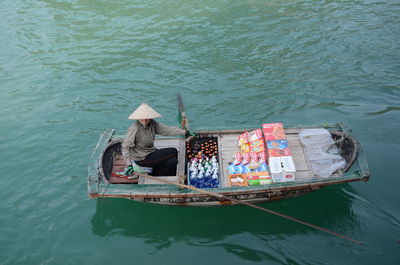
(182, 118)
(182, 114)
(219, 195)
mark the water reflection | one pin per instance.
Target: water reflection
(161, 226)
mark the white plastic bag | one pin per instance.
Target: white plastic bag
(321, 151)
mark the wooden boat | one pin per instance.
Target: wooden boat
(107, 159)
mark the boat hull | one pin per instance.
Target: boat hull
(99, 185)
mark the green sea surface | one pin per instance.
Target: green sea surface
(70, 69)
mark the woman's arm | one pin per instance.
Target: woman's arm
(163, 129)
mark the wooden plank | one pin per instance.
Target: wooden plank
(299, 159)
(303, 176)
(154, 182)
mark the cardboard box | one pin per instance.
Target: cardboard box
(278, 148)
(257, 182)
(258, 175)
(259, 178)
(278, 164)
(282, 169)
(288, 163)
(273, 131)
(287, 177)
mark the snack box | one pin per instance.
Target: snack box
(288, 163)
(259, 178)
(237, 180)
(258, 182)
(282, 169)
(273, 131)
(287, 177)
(278, 148)
(277, 164)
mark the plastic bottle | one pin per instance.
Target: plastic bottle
(215, 180)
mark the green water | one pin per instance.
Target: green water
(70, 69)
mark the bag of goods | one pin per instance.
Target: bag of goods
(237, 158)
(254, 161)
(244, 143)
(321, 151)
(256, 141)
(246, 158)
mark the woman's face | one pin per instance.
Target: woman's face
(144, 122)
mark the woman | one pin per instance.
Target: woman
(138, 147)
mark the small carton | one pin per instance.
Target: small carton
(259, 178)
(278, 148)
(286, 177)
(282, 169)
(237, 180)
(282, 163)
(258, 182)
(273, 131)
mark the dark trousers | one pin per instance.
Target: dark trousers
(163, 161)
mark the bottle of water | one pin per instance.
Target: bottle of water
(207, 178)
(214, 179)
(200, 179)
(193, 177)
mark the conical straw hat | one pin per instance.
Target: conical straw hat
(144, 111)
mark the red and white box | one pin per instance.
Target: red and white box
(278, 148)
(273, 131)
(282, 169)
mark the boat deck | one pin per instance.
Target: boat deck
(227, 145)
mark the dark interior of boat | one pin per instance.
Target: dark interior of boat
(113, 165)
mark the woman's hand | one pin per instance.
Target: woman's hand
(191, 134)
(129, 170)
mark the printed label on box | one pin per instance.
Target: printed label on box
(237, 180)
(283, 177)
(278, 148)
(273, 131)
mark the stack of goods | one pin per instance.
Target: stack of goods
(249, 166)
(280, 159)
(203, 163)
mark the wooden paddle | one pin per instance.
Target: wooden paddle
(221, 196)
(182, 114)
